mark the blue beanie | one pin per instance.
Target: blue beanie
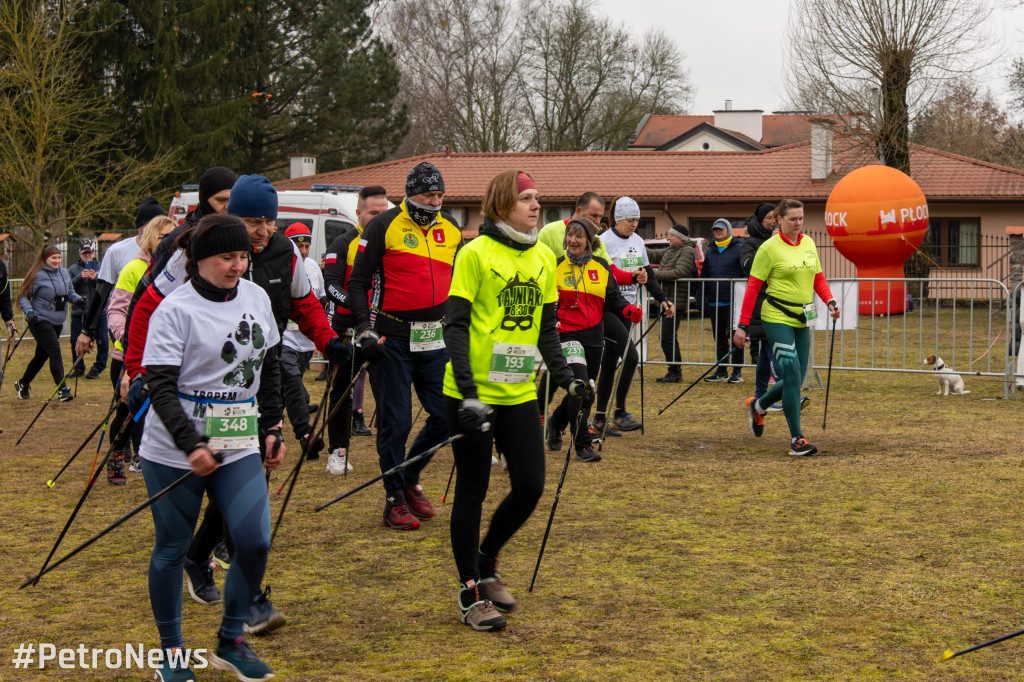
(253, 197)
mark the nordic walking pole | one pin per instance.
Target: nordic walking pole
(34, 580)
(103, 423)
(828, 382)
(10, 353)
(393, 470)
(57, 388)
(448, 487)
(609, 408)
(640, 350)
(558, 491)
(710, 370)
(948, 653)
(122, 438)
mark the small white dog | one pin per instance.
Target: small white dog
(949, 381)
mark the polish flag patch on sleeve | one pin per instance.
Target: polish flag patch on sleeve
(362, 245)
(331, 258)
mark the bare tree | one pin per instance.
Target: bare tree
(883, 60)
(62, 167)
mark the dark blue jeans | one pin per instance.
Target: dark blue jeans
(102, 341)
(394, 379)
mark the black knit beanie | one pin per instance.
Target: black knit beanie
(214, 180)
(225, 235)
(423, 178)
(148, 209)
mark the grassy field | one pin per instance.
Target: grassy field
(692, 552)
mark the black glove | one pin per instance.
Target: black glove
(30, 317)
(473, 415)
(136, 394)
(313, 449)
(372, 346)
(583, 391)
(339, 352)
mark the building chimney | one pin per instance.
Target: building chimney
(448, 151)
(301, 165)
(745, 121)
(728, 105)
(821, 149)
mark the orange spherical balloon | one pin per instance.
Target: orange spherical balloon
(877, 217)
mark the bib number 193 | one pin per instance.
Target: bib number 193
(511, 363)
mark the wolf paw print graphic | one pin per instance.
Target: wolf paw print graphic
(247, 333)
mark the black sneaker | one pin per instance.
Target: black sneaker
(624, 421)
(221, 555)
(359, 427)
(588, 454)
(801, 448)
(64, 395)
(22, 389)
(93, 373)
(598, 427)
(555, 440)
(313, 408)
(755, 418)
(174, 667)
(236, 656)
(717, 377)
(673, 377)
(322, 376)
(736, 378)
(199, 580)
(263, 617)
(314, 448)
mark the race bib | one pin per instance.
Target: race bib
(573, 352)
(232, 426)
(512, 363)
(424, 336)
(631, 262)
(293, 326)
(810, 312)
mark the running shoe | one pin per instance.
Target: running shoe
(755, 418)
(263, 617)
(199, 580)
(173, 669)
(801, 448)
(221, 555)
(498, 594)
(598, 427)
(418, 503)
(236, 656)
(399, 518)
(587, 453)
(93, 373)
(477, 610)
(736, 378)
(624, 421)
(555, 440)
(717, 377)
(337, 462)
(23, 390)
(136, 466)
(674, 376)
(64, 395)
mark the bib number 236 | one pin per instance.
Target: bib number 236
(424, 336)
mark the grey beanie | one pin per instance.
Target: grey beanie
(680, 231)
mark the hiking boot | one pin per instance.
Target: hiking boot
(236, 656)
(477, 610)
(221, 555)
(359, 427)
(588, 454)
(418, 503)
(64, 395)
(398, 517)
(624, 421)
(801, 448)
(93, 373)
(199, 579)
(717, 377)
(174, 667)
(136, 466)
(337, 462)
(736, 378)
(312, 408)
(674, 376)
(22, 389)
(322, 376)
(313, 451)
(555, 440)
(498, 594)
(263, 617)
(115, 469)
(598, 427)
(755, 418)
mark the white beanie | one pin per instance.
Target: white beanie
(626, 209)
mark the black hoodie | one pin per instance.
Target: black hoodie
(757, 234)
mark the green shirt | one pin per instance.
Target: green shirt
(507, 289)
(788, 272)
(552, 235)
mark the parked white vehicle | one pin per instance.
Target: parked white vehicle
(327, 210)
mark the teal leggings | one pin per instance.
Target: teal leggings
(790, 345)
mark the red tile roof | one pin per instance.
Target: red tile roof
(776, 129)
(110, 236)
(680, 177)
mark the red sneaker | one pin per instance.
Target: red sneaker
(418, 503)
(399, 518)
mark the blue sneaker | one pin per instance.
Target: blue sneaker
(236, 656)
(173, 670)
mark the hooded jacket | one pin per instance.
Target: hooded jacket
(757, 234)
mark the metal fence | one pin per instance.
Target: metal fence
(973, 329)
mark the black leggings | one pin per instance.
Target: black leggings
(47, 338)
(515, 429)
(568, 411)
(122, 410)
(616, 338)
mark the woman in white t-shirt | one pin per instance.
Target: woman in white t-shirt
(209, 346)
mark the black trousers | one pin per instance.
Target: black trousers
(515, 430)
(47, 338)
(616, 340)
(296, 399)
(568, 411)
(339, 426)
(721, 327)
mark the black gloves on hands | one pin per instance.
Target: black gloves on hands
(136, 394)
(339, 352)
(473, 415)
(372, 346)
(582, 390)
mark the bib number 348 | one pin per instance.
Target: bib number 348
(232, 427)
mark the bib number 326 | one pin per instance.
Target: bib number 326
(232, 427)
(511, 363)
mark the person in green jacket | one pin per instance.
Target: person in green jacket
(678, 262)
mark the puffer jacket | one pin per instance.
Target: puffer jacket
(720, 265)
(677, 263)
(51, 293)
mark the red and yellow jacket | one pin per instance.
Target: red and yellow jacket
(583, 293)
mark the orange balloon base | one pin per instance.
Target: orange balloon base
(882, 298)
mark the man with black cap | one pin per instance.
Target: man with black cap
(83, 277)
(398, 290)
(678, 262)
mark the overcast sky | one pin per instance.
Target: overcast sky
(735, 49)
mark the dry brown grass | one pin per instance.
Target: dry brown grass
(693, 552)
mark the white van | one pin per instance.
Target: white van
(327, 210)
